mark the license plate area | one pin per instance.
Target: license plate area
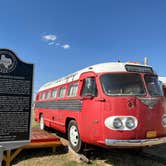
(151, 134)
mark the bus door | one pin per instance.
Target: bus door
(90, 116)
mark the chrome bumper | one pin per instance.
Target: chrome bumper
(135, 143)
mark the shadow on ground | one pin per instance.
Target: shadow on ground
(37, 153)
(97, 156)
(119, 157)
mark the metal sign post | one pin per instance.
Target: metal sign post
(16, 79)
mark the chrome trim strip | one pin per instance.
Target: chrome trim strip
(135, 143)
(56, 122)
(74, 105)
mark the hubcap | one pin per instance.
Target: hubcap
(74, 138)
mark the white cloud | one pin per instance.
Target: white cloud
(49, 38)
(51, 43)
(66, 46)
(57, 44)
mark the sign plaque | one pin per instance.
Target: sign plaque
(16, 79)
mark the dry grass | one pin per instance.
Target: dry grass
(44, 157)
(98, 157)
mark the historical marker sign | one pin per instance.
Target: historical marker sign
(16, 79)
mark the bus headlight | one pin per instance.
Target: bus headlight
(117, 123)
(121, 122)
(130, 123)
(164, 120)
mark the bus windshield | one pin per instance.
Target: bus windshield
(153, 85)
(122, 84)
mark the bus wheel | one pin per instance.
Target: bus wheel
(42, 126)
(74, 136)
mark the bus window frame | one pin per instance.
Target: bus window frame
(82, 88)
(125, 73)
(54, 97)
(42, 95)
(47, 95)
(68, 90)
(59, 90)
(148, 90)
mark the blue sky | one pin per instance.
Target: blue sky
(63, 36)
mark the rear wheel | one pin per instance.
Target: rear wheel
(74, 136)
(42, 126)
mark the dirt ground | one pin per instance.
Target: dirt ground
(99, 157)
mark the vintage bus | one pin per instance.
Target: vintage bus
(111, 104)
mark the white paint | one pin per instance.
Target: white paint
(98, 68)
(163, 79)
(110, 120)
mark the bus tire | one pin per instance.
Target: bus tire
(74, 136)
(42, 125)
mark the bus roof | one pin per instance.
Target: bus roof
(98, 68)
(163, 80)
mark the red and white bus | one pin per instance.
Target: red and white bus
(110, 104)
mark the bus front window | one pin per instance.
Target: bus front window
(122, 84)
(153, 85)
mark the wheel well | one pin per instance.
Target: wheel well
(67, 123)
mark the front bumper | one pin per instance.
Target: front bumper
(135, 143)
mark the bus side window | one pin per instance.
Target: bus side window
(47, 95)
(62, 92)
(54, 93)
(73, 90)
(89, 87)
(42, 96)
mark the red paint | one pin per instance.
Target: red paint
(95, 110)
(38, 135)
